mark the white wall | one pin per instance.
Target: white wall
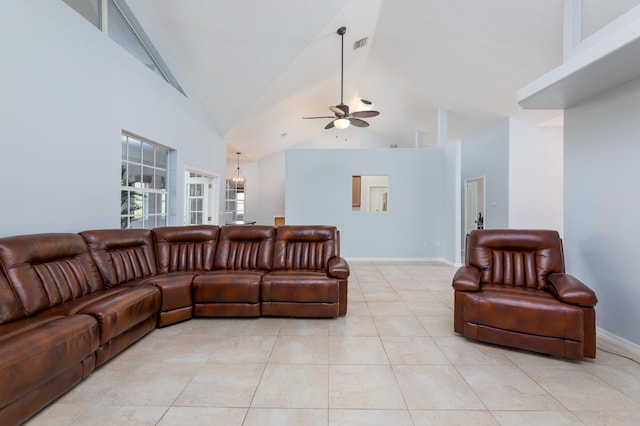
(451, 204)
(68, 91)
(270, 189)
(602, 149)
(318, 191)
(487, 154)
(349, 138)
(535, 177)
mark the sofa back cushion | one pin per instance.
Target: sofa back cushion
(45, 270)
(185, 248)
(512, 257)
(307, 248)
(10, 307)
(245, 248)
(122, 255)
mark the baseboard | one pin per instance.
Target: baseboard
(617, 344)
(399, 259)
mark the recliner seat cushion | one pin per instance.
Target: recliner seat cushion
(227, 287)
(532, 312)
(299, 286)
(123, 310)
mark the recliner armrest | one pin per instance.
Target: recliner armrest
(571, 290)
(338, 268)
(467, 278)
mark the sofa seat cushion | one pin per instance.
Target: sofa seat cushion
(14, 328)
(30, 358)
(227, 287)
(117, 309)
(124, 310)
(175, 289)
(299, 286)
(535, 312)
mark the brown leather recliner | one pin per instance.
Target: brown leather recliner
(513, 291)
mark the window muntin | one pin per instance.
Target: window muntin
(196, 202)
(144, 183)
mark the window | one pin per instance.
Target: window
(115, 19)
(144, 183)
(234, 202)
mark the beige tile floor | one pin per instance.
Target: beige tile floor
(393, 360)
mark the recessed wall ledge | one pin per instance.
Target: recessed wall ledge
(610, 62)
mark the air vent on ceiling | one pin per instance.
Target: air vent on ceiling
(360, 43)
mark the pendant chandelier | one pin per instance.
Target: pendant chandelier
(237, 177)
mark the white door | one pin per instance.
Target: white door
(474, 203)
(378, 198)
(200, 199)
(197, 201)
(471, 205)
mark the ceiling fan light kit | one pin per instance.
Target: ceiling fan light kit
(341, 123)
(342, 117)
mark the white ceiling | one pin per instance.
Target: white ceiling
(260, 66)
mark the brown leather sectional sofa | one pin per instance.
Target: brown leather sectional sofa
(70, 302)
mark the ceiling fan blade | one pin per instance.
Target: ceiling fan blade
(364, 114)
(330, 125)
(338, 110)
(311, 118)
(358, 123)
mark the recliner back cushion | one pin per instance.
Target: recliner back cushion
(122, 255)
(185, 248)
(519, 258)
(10, 307)
(45, 270)
(306, 248)
(245, 248)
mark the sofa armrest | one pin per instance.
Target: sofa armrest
(338, 268)
(467, 278)
(571, 290)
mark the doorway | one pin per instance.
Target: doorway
(201, 198)
(474, 204)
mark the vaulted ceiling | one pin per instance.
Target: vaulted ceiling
(259, 66)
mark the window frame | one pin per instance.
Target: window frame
(150, 185)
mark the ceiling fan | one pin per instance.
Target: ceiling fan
(342, 118)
